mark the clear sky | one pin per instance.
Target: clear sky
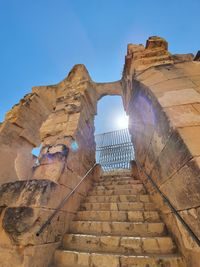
(40, 40)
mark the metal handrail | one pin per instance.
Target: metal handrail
(174, 210)
(48, 221)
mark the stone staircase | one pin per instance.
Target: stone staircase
(117, 226)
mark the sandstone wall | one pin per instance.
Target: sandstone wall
(60, 118)
(25, 206)
(19, 133)
(162, 98)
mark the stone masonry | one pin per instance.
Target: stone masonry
(161, 95)
(118, 226)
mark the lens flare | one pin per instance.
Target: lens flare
(74, 146)
(122, 122)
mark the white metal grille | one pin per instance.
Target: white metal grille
(114, 150)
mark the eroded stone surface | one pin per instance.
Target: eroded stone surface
(161, 94)
(107, 238)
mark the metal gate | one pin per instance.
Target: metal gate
(114, 150)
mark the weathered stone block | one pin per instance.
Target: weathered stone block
(21, 224)
(174, 155)
(131, 244)
(183, 187)
(101, 260)
(155, 42)
(33, 193)
(63, 258)
(83, 259)
(184, 96)
(183, 115)
(51, 171)
(28, 115)
(191, 136)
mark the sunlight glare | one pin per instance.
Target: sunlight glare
(122, 122)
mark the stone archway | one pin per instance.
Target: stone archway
(19, 133)
(165, 131)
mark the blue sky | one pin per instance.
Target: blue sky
(40, 41)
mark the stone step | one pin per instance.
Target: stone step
(121, 206)
(132, 191)
(118, 228)
(118, 182)
(67, 258)
(118, 198)
(117, 179)
(118, 187)
(120, 216)
(119, 174)
(117, 244)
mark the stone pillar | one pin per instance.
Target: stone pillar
(69, 127)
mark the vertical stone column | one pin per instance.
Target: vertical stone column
(69, 128)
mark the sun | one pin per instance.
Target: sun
(122, 122)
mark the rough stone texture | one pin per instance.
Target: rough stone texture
(53, 115)
(19, 133)
(112, 238)
(162, 96)
(25, 206)
(61, 118)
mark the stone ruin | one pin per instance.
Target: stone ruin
(161, 95)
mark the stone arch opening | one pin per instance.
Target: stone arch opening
(110, 115)
(20, 133)
(114, 149)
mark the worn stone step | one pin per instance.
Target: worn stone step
(118, 182)
(67, 258)
(131, 191)
(116, 174)
(118, 244)
(120, 216)
(118, 228)
(118, 187)
(118, 206)
(118, 198)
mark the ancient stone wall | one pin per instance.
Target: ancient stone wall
(25, 207)
(19, 133)
(162, 98)
(60, 118)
